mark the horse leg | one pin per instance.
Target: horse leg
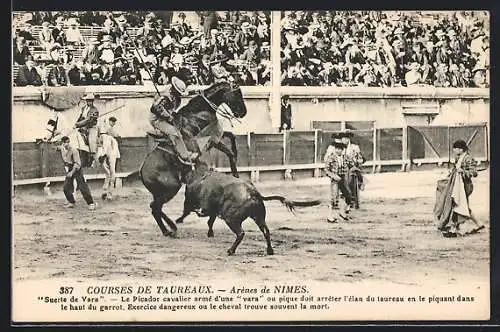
(235, 226)
(210, 224)
(170, 223)
(157, 214)
(232, 138)
(232, 161)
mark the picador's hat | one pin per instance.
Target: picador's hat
(179, 85)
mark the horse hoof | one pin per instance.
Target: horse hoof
(210, 234)
(179, 221)
(230, 252)
(270, 251)
(173, 235)
(104, 196)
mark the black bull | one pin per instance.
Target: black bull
(161, 171)
(213, 194)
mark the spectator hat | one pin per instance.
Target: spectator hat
(453, 67)
(72, 21)
(45, 24)
(93, 41)
(219, 72)
(262, 16)
(328, 65)
(177, 59)
(185, 41)
(106, 38)
(460, 144)
(108, 23)
(214, 32)
(439, 33)
(252, 43)
(315, 61)
(151, 59)
(452, 33)
(347, 42)
(128, 56)
(89, 96)
(59, 19)
(179, 85)
(121, 19)
(285, 97)
(414, 66)
(398, 31)
(166, 41)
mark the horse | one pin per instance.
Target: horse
(161, 171)
(213, 194)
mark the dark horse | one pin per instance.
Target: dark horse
(212, 194)
(162, 171)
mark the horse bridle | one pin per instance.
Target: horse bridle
(216, 109)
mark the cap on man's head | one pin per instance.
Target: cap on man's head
(460, 144)
(112, 119)
(65, 139)
(346, 133)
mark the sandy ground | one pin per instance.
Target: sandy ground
(392, 237)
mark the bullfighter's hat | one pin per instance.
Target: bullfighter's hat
(460, 144)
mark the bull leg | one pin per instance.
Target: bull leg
(232, 160)
(265, 230)
(157, 214)
(210, 224)
(180, 220)
(240, 233)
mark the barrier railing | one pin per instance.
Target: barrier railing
(296, 151)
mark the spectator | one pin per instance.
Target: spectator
(176, 50)
(286, 114)
(58, 32)
(384, 40)
(21, 51)
(57, 75)
(46, 39)
(28, 75)
(73, 34)
(75, 75)
(210, 21)
(413, 76)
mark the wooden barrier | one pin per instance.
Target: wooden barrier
(300, 151)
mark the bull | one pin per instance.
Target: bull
(212, 194)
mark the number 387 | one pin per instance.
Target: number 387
(65, 290)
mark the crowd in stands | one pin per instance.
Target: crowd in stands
(141, 48)
(385, 49)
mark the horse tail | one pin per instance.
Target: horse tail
(289, 203)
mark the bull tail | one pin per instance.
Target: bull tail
(290, 205)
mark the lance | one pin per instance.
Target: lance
(145, 67)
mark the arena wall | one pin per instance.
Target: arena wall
(388, 108)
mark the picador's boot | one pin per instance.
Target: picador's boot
(186, 156)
